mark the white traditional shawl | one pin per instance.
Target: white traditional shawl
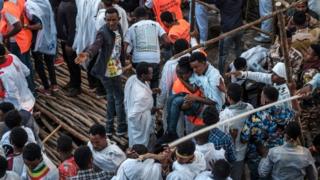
(46, 41)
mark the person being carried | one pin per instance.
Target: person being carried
(210, 83)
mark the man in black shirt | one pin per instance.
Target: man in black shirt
(66, 25)
(231, 18)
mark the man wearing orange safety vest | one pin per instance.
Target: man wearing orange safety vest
(17, 38)
(178, 29)
(160, 6)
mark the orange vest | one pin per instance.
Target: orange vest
(178, 87)
(180, 31)
(173, 6)
(24, 37)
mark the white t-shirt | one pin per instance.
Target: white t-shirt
(5, 140)
(10, 175)
(143, 37)
(114, 67)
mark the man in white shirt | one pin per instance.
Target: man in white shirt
(14, 86)
(12, 119)
(137, 168)
(277, 78)
(18, 139)
(107, 156)
(188, 161)
(143, 37)
(236, 107)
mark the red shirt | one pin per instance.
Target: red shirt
(68, 168)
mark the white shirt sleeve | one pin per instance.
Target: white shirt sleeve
(160, 30)
(149, 4)
(127, 37)
(265, 78)
(11, 19)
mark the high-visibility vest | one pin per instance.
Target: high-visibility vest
(24, 37)
(180, 31)
(178, 87)
(173, 6)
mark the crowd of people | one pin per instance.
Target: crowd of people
(109, 38)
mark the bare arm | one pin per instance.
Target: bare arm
(34, 27)
(16, 29)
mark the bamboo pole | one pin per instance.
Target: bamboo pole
(284, 42)
(224, 35)
(51, 134)
(261, 31)
(243, 115)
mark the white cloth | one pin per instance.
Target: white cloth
(208, 84)
(123, 18)
(5, 140)
(136, 169)
(210, 153)
(53, 173)
(100, 19)
(87, 11)
(18, 164)
(230, 112)
(207, 175)
(10, 175)
(256, 58)
(143, 37)
(109, 158)
(46, 41)
(314, 5)
(181, 175)
(196, 167)
(138, 103)
(13, 78)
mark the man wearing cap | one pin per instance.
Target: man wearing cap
(277, 78)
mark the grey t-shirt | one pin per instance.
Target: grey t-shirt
(143, 37)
